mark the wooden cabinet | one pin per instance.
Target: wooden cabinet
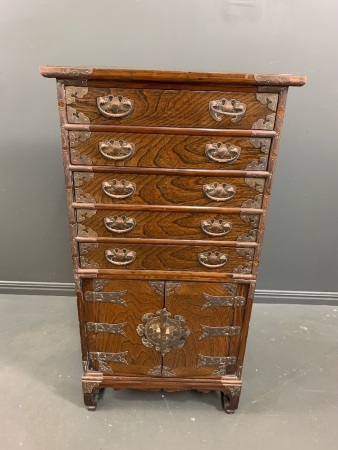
(168, 178)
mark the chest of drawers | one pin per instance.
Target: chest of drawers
(168, 178)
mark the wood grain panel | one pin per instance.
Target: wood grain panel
(162, 189)
(165, 225)
(163, 257)
(154, 107)
(156, 150)
(188, 300)
(140, 299)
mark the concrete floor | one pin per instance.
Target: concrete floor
(289, 400)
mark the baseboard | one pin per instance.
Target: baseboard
(296, 297)
(37, 288)
(261, 295)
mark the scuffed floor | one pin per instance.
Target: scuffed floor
(289, 400)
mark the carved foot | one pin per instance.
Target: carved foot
(91, 394)
(90, 400)
(230, 399)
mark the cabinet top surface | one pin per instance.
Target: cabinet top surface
(92, 73)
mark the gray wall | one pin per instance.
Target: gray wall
(268, 36)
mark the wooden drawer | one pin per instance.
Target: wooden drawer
(163, 108)
(166, 257)
(158, 150)
(166, 190)
(167, 225)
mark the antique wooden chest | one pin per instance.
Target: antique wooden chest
(168, 178)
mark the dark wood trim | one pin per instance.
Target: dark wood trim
(171, 172)
(170, 384)
(206, 209)
(162, 275)
(129, 75)
(245, 328)
(167, 241)
(168, 130)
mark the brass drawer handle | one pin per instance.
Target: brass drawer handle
(117, 150)
(212, 260)
(119, 188)
(115, 106)
(120, 256)
(232, 108)
(119, 224)
(222, 153)
(216, 227)
(220, 192)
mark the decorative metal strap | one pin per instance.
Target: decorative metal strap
(102, 358)
(230, 288)
(226, 153)
(171, 287)
(87, 247)
(258, 165)
(158, 287)
(265, 124)
(212, 260)
(112, 328)
(115, 106)
(221, 361)
(251, 236)
(232, 108)
(83, 197)
(161, 371)
(216, 227)
(216, 301)
(84, 214)
(219, 331)
(88, 263)
(84, 231)
(254, 203)
(82, 177)
(119, 188)
(73, 93)
(252, 219)
(256, 183)
(246, 252)
(119, 224)
(162, 331)
(106, 297)
(219, 192)
(269, 99)
(244, 268)
(120, 256)
(263, 144)
(117, 150)
(100, 283)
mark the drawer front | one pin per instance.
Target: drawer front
(112, 311)
(163, 225)
(213, 313)
(166, 190)
(156, 150)
(166, 257)
(153, 107)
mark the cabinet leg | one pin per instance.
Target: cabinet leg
(230, 399)
(91, 394)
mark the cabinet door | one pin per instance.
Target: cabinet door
(113, 312)
(212, 317)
